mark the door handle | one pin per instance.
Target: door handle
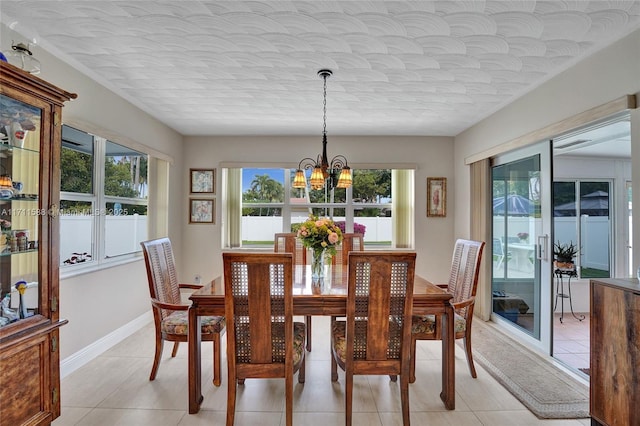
(541, 248)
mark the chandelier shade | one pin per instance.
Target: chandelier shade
(332, 174)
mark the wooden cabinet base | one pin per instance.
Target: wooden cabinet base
(615, 352)
(30, 382)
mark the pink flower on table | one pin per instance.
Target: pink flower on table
(334, 238)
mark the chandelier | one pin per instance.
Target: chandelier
(335, 173)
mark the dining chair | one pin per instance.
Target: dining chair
(463, 283)
(170, 315)
(375, 338)
(350, 242)
(287, 242)
(263, 341)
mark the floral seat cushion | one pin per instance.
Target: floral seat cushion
(426, 324)
(277, 329)
(339, 337)
(178, 323)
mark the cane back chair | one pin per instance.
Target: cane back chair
(376, 336)
(169, 313)
(463, 283)
(262, 339)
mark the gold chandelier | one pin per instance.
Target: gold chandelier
(335, 173)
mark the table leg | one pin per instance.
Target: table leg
(448, 394)
(195, 373)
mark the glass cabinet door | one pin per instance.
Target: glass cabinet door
(20, 210)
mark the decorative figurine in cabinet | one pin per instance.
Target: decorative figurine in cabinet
(30, 132)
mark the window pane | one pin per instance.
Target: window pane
(125, 172)
(263, 186)
(126, 227)
(370, 186)
(594, 229)
(76, 231)
(76, 161)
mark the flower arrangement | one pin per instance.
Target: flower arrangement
(523, 235)
(320, 234)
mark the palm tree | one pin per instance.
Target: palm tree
(266, 189)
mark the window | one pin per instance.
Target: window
(582, 216)
(260, 202)
(103, 199)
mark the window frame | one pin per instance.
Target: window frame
(99, 211)
(349, 206)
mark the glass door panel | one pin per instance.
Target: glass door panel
(19, 210)
(520, 243)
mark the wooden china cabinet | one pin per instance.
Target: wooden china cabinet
(30, 131)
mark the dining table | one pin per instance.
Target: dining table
(330, 299)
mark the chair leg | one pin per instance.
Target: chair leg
(404, 398)
(467, 348)
(348, 397)
(307, 321)
(334, 368)
(288, 404)
(174, 351)
(156, 358)
(301, 370)
(412, 362)
(231, 397)
(216, 360)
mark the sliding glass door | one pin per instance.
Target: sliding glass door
(521, 242)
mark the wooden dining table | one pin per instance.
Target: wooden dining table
(329, 300)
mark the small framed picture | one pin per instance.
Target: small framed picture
(436, 197)
(203, 181)
(201, 210)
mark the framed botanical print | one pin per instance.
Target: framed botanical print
(436, 197)
(202, 210)
(203, 181)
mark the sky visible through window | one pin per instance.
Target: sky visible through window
(249, 174)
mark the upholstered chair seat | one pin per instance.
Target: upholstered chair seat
(178, 323)
(277, 334)
(426, 324)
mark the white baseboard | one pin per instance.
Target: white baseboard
(95, 349)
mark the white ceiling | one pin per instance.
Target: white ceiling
(249, 67)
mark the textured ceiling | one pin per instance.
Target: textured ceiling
(249, 67)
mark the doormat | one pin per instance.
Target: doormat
(546, 390)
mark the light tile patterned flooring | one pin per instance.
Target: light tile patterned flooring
(114, 389)
(571, 340)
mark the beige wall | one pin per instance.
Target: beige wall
(100, 302)
(433, 156)
(603, 77)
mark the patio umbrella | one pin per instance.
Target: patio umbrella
(592, 204)
(516, 205)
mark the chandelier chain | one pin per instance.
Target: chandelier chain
(324, 104)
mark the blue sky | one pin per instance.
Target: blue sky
(249, 174)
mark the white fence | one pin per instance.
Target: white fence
(123, 234)
(594, 250)
(262, 228)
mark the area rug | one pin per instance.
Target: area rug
(546, 390)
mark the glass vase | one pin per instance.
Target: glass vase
(318, 261)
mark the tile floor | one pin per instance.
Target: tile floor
(114, 389)
(571, 340)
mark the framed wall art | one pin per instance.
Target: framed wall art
(202, 181)
(202, 210)
(436, 197)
